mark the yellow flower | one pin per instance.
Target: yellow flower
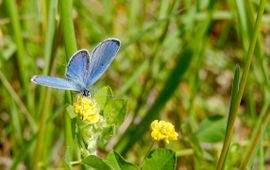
(162, 130)
(87, 109)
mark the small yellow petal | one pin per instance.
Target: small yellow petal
(154, 124)
(92, 118)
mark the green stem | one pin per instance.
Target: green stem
(243, 81)
(45, 93)
(18, 101)
(147, 153)
(184, 152)
(13, 13)
(21, 57)
(70, 47)
(76, 162)
(68, 28)
(41, 135)
(257, 134)
(45, 15)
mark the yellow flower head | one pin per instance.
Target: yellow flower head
(87, 109)
(162, 130)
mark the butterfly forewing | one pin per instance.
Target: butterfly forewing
(101, 58)
(55, 82)
(77, 69)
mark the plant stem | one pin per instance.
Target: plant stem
(45, 93)
(243, 81)
(21, 57)
(18, 101)
(70, 47)
(41, 135)
(76, 162)
(257, 134)
(184, 152)
(68, 28)
(13, 13)
(147, 153)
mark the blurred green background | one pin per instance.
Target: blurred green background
(176, 63)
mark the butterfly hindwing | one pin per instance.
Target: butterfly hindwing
(55, 82)
(78, 66)
(101, 58)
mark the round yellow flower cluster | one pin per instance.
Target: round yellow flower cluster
(162, 130)
(87, 109)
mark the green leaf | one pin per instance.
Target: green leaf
(235, 89)
(118, 162)
(107, 132)
(96, 162)
(9, 48)
(160, 159)
(70, 112)
(211, 130)
(115, 111)
(103, 95)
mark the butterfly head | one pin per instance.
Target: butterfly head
(85, 93)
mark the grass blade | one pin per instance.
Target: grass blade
(257, 134)
(18, 101)
(45, 93)
(70, 47)
(243, 81)
(13, 13)
(234, 92)
(68, 28)
(23, 153)
(235, 89)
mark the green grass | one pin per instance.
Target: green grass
(176, 63)
(239, 92)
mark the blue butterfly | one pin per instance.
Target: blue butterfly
(82, 70)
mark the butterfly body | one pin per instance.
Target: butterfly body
(85, 92)
(83, 69)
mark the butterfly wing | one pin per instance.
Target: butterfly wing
(78, 66)
(101, 58)
(55, 82)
